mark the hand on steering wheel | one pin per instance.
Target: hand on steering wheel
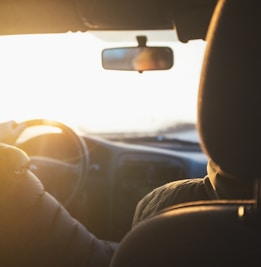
(10, 131)
(50, 164)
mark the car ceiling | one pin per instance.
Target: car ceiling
(189, 17)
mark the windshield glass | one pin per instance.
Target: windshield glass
(60, 77)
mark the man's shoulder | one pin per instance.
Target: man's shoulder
(180, 191)
(173, 193)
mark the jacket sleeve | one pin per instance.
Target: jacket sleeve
(169, 194)
(35, 229)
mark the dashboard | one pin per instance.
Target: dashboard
(119, 175)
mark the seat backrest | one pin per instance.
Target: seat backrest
(214, 233)
(223, 233)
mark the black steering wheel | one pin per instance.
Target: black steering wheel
(78, 166)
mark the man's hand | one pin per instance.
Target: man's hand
(10, 131)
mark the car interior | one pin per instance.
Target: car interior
(100, 178)
(215, 232)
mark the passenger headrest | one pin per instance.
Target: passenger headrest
(229, 102)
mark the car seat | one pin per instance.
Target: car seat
(216, 232)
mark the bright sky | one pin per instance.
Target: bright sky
(60, 77)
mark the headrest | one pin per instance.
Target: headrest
(229, 101)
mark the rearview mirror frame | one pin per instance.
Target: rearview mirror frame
(139, 59)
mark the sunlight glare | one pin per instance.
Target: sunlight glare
(59, 77)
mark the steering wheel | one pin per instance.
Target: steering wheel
(82, 158)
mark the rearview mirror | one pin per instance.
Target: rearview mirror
(137, 58)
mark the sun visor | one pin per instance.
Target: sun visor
(38, 16)
(190, 18)
(126, 15)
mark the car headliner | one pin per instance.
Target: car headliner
(190, 18)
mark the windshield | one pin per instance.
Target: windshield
(60, 77)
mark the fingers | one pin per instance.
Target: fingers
(10, 131)
(18, 128)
